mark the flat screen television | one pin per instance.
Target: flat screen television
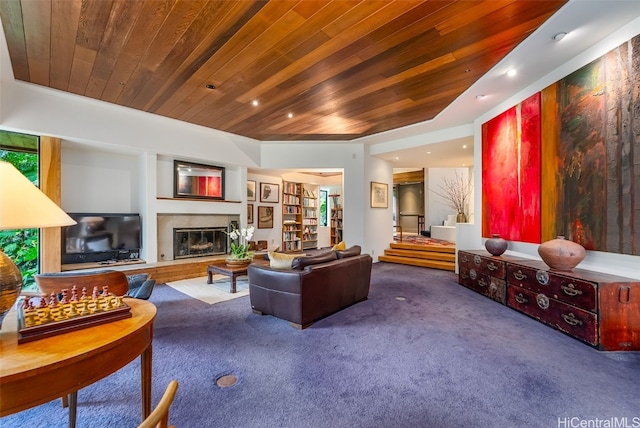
(100, 237)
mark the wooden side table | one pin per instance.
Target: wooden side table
(46, 369)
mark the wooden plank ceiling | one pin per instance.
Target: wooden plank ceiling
(344, 69)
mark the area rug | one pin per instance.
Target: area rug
(217, 292)
(421, 240)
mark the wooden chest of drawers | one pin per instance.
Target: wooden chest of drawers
(599, 309)
(483, 273)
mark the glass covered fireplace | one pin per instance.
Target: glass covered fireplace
(199, 242)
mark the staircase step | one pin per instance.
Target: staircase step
(431, 255)
(432, 248)
(435, 264)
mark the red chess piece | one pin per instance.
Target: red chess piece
(27, 302)
(53, 300)
(65, 298)
(95, 294)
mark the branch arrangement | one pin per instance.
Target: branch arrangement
(456, 192)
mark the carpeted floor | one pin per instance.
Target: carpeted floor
(422, 351)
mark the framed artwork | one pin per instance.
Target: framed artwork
(251, 190)
(269, 192)
(379, 195)
(265, 217)
(249, 213)
(511, 171)
(194, 180)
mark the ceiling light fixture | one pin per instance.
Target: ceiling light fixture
(559, 36)
(255, 103)
(464, 146)
(512, 72)
(210, 86)
(290, 115)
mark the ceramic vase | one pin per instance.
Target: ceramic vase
(461, 218)
(496, 245)
(561, 254)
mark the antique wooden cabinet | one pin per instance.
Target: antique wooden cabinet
(484, 273)
(599, 309)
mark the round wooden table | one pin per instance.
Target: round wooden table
(37, 372)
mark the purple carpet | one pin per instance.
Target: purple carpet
(423, 351)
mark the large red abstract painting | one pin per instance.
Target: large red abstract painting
(511, 183)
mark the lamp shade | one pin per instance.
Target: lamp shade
(23, 205)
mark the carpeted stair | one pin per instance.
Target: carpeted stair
(431, 256)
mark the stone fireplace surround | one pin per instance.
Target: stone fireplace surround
(168, 222)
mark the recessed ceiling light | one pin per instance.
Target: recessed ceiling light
(397, 158)
(428, 153)
(255, 103)
(559, 36)
(210, 86)
(290, 115)
(512, 72)
(464, 146)
(479, 97)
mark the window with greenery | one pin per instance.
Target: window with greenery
(21, 245)
(323, 208)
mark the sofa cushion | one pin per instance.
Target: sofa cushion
(302, 262)
(282, 260)
(352, 251)
(339, 246)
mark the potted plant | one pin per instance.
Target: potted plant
(240, 252)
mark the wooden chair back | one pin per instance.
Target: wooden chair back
(55, 282)
(159, 418)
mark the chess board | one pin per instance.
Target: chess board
(40, 317)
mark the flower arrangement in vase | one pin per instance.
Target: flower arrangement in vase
(240, 252)
(456, 192)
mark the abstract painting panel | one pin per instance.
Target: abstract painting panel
(511, 186)
(592, 146)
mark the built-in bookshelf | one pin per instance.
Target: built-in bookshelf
(291, 216)
(336, 219)
(309, 217)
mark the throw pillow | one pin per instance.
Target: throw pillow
(339, 246)
(281, 260)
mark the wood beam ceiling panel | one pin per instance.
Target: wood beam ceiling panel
(345, 68)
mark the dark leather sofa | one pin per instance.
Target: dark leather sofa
(315, 287)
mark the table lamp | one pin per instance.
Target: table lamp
(22, 206)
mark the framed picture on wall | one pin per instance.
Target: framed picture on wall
(265, 217)
(194, 180)
(249, 213)
(269, 192)
(251, 190)
(379, 195)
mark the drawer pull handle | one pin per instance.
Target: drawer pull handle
(492, 266)
(571, 319)
(473, 274)
(543, 277)
(464, 275)
(543, 301)
(482, 282)
(521, 299)
(624, 294)
(571, 290)
(519, 275)
(477, 260)
(464, 259)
